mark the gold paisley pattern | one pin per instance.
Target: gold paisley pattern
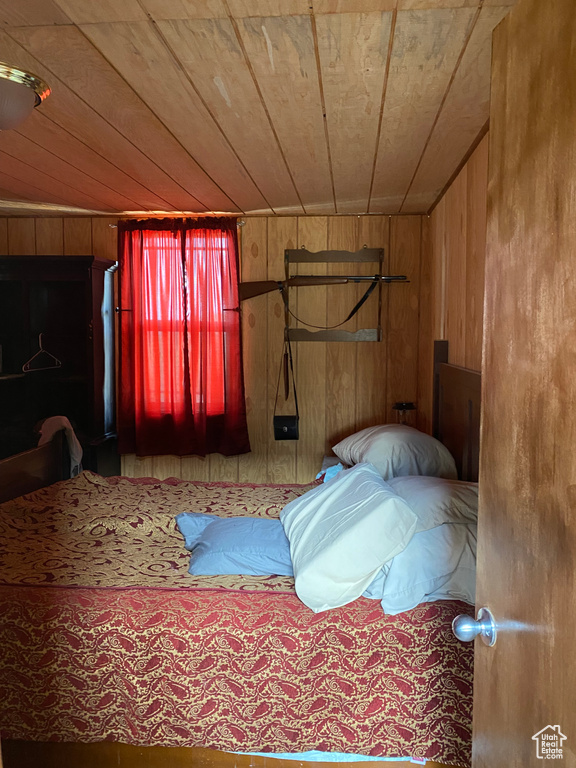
(93, 531)
(104, 635)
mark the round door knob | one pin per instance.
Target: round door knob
(466, 628)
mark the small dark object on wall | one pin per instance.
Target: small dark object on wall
(401, 410)
(286, 428)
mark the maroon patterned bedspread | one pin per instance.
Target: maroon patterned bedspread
(104, 635)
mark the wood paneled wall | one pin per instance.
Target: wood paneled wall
(452, 300)
(341, 386)
(52, 236)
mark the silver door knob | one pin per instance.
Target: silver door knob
(466, 628)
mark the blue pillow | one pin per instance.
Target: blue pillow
(191, 525)
(437, 564)
(235, 545)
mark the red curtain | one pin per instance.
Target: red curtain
(181, 378)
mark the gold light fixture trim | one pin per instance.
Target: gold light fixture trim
(40, 88)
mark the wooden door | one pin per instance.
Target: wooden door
(526, 684)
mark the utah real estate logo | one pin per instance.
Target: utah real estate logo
(549, 743)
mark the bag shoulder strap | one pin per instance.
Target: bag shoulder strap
(287, 354)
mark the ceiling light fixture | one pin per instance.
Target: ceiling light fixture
(20, 92)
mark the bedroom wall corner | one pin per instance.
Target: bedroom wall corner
(453, 259)
(342, 387)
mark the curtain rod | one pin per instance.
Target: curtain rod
(239, 223)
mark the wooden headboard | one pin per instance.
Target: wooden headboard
(456, 418)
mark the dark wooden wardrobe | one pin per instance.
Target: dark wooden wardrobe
(57, 351)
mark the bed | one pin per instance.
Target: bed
(108, 640)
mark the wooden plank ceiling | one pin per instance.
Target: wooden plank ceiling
(244, 106)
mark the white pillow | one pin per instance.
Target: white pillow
(437, 564)
(342, 533)
(397, 450)
(436, 500)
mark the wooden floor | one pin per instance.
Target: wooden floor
(26, 754)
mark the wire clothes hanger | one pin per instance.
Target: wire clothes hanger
(42, 356)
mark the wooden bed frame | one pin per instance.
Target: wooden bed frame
(456, 424)
(28, 471)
